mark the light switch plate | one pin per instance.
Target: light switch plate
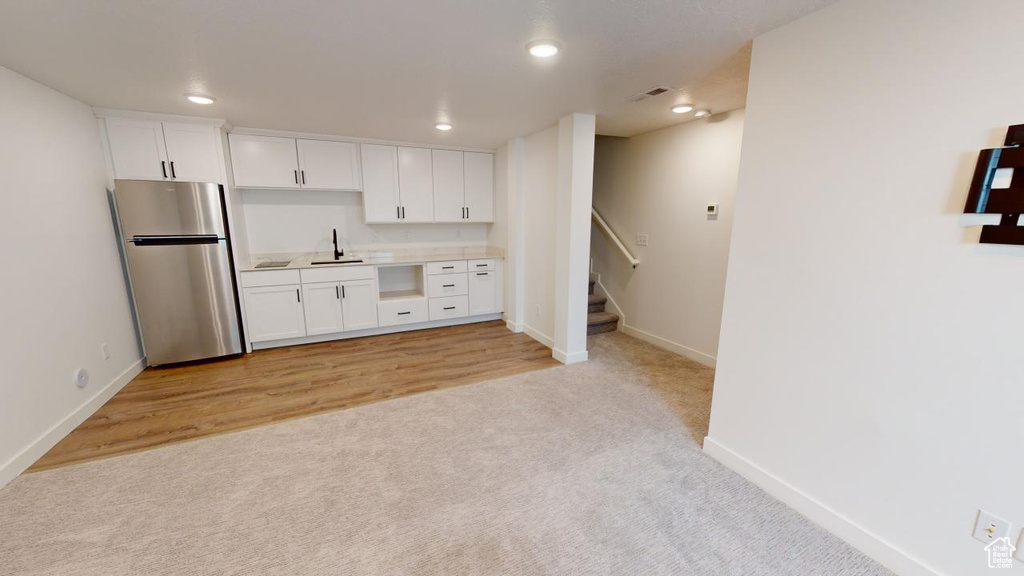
(641, 239)
(990, 527)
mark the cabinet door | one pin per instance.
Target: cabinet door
(264, 161)
(359, 301)
(416, 184)
(479, 187)
(322, 305)
(380, 183)
(483, 293)
(274, 313)
(328, 165)
(449, 186)
(137, 149)
(192, 152)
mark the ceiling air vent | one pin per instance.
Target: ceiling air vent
(648, 93)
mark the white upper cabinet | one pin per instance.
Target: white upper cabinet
(264, 161)
(137, 149)
(449, 186)
(192, 152)
(325, 165)
(479, 171)
(415, 185)
(380, 183)
(150, 150)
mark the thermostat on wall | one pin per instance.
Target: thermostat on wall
(712, 209)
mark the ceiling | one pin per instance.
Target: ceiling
(391, 69)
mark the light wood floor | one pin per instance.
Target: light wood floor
(169, 405)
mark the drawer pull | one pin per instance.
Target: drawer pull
(404, 313)
(447, 285)
(447, 267)
(482, 265)
(449, 307)
(482, 273)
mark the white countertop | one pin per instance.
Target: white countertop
(375, 257)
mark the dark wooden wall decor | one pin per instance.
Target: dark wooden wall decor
(983, 199)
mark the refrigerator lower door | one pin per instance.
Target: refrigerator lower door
(184, 298)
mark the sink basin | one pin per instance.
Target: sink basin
(337, 262)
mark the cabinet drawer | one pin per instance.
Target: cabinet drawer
(447, 285)
(450, 307)
(269, 278)
(402, 311)
(450, 267)
(337, 274)
(481, 265)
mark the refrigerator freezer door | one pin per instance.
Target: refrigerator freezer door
(184, 299)
(169, 208)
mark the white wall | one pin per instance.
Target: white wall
(870, 362)
(63, 289)
(301, 221)
(660, 184)
(540, 190)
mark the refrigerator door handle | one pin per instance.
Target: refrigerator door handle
(174, 240)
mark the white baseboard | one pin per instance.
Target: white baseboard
(695, 355)
(517, 328)
(539, 336)
(374, 331)
(573, 358)
(34, 451)
(871, 544)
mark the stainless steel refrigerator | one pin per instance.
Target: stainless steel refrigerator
(179, 264)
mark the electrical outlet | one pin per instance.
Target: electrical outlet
(408, 235)
(641, 239)
(712, 210)
(105, 351)
(990, 527)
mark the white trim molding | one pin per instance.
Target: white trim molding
(695, 355)
(581, 356)
(34, 451)
(869, 543)
(539, 336)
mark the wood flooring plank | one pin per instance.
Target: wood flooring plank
(166, 406)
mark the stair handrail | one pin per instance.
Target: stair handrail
(610, 234)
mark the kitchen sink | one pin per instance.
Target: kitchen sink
(337, 262)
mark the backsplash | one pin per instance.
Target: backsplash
(295, 221)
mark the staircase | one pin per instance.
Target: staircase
(599, 321)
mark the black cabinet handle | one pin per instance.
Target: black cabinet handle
(447, 285)
(343, 291)
(482, 273)
(404, 313)
(163, 168)
(303, 176)
(449, 308)
(467, 212)
(398, 212)
(173, 175)
(447, 267)
(337, 293)
(297, 297)
(403, 212)
(296, 176)
(482, 265)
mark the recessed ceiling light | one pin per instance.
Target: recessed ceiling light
(702, 113)
(682, 108)
(543, 48)
(200, 99)
(443, 126)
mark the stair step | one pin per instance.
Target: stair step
(595, 303)
(601, 322)
(591, 289)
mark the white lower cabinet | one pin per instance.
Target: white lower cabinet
(274, 312)
(402, 311)
(359, 303)
(322, 308)
(483, 293)
(449, 307)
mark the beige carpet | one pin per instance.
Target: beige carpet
(589, 469)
